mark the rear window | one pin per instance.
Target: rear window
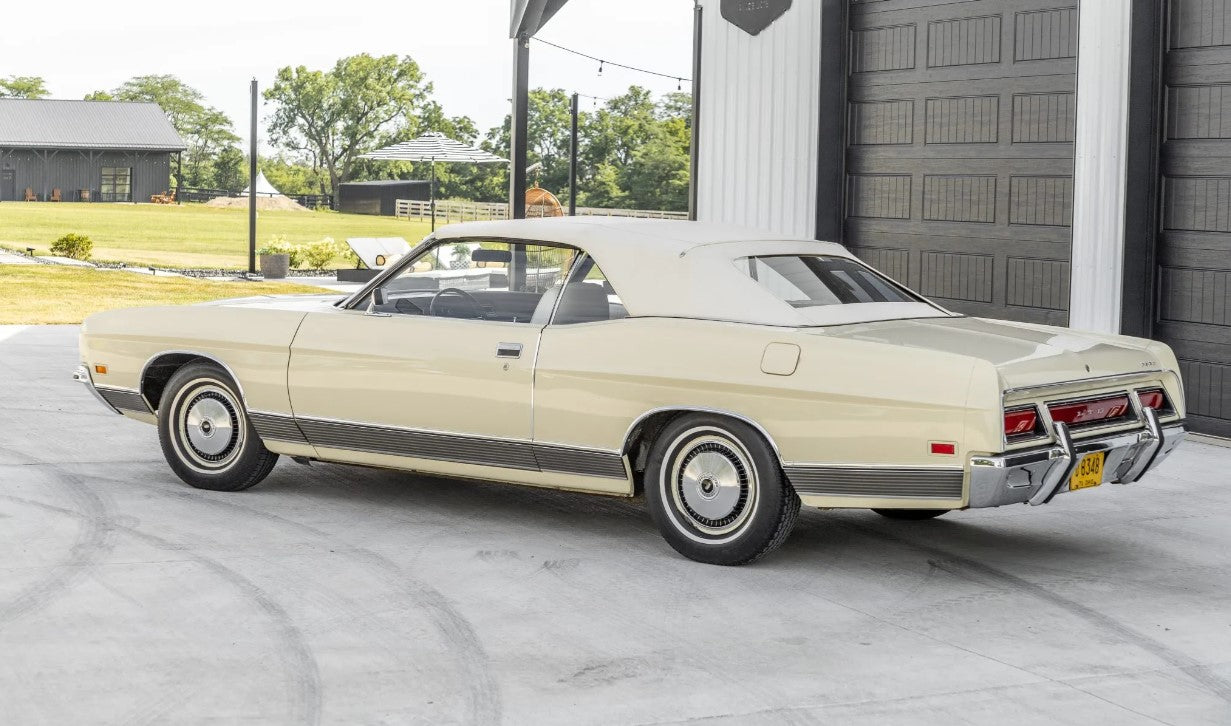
(806, 281)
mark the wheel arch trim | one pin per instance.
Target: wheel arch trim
(195, 354)
(628, 433)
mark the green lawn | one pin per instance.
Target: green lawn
(190, 235)
(50, 294)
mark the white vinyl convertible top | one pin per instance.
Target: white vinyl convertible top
(667, 268)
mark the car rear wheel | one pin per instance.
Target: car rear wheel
(205, 433)
(716, 492)
(911, 514)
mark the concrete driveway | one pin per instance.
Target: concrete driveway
(333, 594)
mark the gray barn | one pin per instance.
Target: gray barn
(101, 151)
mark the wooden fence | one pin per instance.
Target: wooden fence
(449, 211)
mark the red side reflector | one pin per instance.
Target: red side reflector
(1153, 398)
(943, 448)
(1021, 421)
(1081, 412)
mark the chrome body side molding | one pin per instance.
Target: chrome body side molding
(124, 399)
(440, 446)
(276, 427)
(876, 481)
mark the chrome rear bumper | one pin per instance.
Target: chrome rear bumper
(1037, 475)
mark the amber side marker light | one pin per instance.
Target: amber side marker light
(100, 370)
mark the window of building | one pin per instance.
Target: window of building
(116, 184)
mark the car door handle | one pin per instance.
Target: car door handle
(508, 350)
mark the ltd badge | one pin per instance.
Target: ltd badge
(753, 16)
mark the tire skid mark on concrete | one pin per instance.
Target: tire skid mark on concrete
(94, 540)
(302, 668)
(483, 695)
(973, 569)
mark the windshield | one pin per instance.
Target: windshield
(805, 281)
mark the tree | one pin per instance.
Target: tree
(339, 114)
(99, 96)
(23, 87)
(230, 170)
(205, 130)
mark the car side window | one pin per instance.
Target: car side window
(587, 297)
(476, 279)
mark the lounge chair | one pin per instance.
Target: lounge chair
(30, 195)
(55, 196)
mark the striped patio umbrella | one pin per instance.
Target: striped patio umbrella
(433, 147)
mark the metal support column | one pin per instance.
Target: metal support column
(572, 158)
(517, 131)
(697, 11)
(252, 186)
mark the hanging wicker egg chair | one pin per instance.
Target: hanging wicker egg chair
(542, 203)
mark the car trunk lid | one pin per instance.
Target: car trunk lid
(1024, 355)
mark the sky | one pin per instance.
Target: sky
(462, 45)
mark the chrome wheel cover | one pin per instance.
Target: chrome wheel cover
(208, 427)
(711, 482)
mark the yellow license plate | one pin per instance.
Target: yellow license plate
(1089, 471)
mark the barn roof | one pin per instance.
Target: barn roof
(63, 124)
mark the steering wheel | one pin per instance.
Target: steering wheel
(478, 308)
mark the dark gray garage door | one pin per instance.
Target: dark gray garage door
(1194, 256)
(960, 150)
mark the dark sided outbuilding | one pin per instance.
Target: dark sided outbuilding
(107, 151)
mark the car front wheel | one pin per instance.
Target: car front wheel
(205, 433)
(716, 492)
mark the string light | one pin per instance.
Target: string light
(679, 80)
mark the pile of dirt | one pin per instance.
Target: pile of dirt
(279, 203)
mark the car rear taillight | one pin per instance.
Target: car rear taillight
(1021, 422)
(1096, 410)
(1154, 398)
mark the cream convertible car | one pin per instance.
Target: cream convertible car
(730, 375)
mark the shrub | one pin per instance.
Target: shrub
(277, 245)
(319, 254)
(74, 246)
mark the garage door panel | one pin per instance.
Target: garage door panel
(960, 154)
(1209, 65)
(1193, 310)
(1046, 242)
(1174, 244)
(1202, 255)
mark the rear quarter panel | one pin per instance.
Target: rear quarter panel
(847, 402)
(253, 342)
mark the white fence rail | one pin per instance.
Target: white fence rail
(449, 211)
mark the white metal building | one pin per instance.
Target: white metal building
(1056, 161)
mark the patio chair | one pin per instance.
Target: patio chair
(55, 195)
(30, 195)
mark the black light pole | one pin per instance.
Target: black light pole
(517, 131)
(431, 192)
(252, 188)
(696, 111)
(572, 160)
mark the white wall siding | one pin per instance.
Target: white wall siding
(757, 159)
(1099, 174)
